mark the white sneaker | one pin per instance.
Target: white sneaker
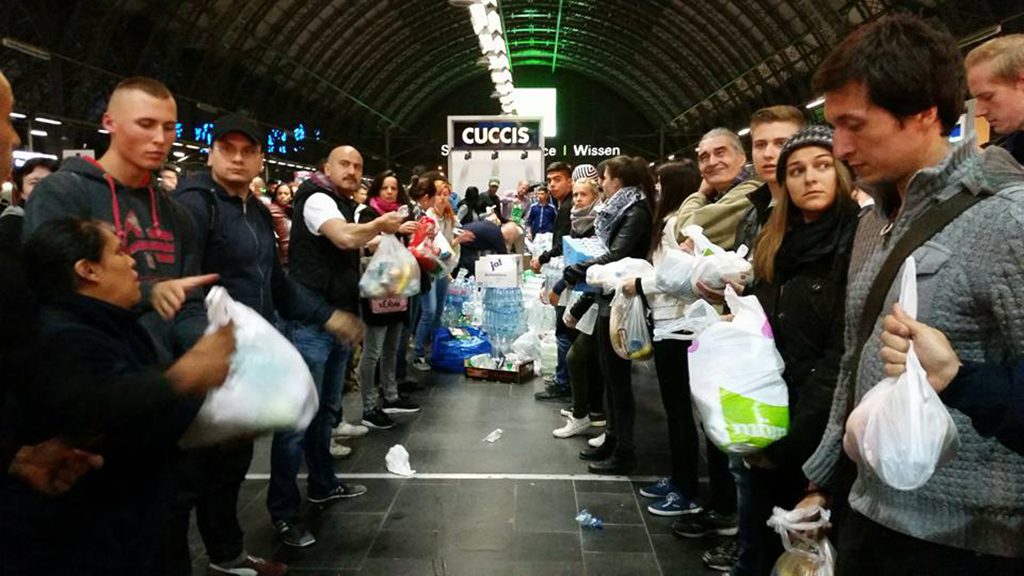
(339, 450)
(596, 441)
(567, 412)
(421, 364)
(573, 426)
(346, 430)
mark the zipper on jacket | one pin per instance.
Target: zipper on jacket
(256, 239)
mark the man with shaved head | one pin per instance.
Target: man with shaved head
(323, 257)
(119, 188)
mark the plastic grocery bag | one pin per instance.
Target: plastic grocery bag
(698, 316)
(453, 346)
(628, 328)
(422, 246)
(901, 430)
(672, 274)
(803, 556)
(268, 387)
(540, 318)
(607, 277)
(392, 271)
(714, 266)
(397, 461)
(527, 346)
(736, 379)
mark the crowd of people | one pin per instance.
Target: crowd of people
(107, 359)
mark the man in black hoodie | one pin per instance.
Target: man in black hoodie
(236, 241)
(141, 117)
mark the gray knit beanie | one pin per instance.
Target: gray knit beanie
(816, 135)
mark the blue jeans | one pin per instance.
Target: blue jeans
(563, 339)
(327, 361)
(431, 306)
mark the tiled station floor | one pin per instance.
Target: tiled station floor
(477, 508)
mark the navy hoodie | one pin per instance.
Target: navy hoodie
(158, 233)
(237, 241)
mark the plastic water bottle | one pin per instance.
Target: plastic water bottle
(587, 520)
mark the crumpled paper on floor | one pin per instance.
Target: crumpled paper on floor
(397, 461)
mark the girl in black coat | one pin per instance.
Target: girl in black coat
(800, 263)
(624, 225)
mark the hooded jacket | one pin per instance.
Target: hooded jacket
(157, 231)
(236, 241)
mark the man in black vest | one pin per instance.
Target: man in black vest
(323, 257)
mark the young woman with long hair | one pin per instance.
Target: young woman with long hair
(800, 264)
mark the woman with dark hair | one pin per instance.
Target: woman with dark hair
(103, 393)
(281, 216)
(800, 264)
(384, 318)
(623, 223)
(432, 194)
(26, 177)
(677, 494)
(467, 207)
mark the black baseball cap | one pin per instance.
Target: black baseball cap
(238, 123)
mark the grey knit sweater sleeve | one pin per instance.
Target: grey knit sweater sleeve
(971, 286)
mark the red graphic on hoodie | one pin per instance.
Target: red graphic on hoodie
(151, 246)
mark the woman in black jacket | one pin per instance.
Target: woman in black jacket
(800, 263)
(623, 223)
(102, 391)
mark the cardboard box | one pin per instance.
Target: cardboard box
(522, 373)
(499, 271)
(576, 250)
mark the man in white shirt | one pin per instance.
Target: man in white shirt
(323, 257)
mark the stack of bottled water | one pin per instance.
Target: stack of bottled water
(459, 301)
(503, 317)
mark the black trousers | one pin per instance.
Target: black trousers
(585, 376)
(782, 487)
(670, 362)
(618, 390)
(866, 547)
(207, 479)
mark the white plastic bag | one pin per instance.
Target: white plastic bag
(540, 318)
(527, 346)
(268, 387)
(672, 274)
(397, 461)
(803, 556)
(607, 277)
(392, 271)
(588, 321)
(628, 328)
(736, 379)
(698, 316)
(714, 266)
(901, 430)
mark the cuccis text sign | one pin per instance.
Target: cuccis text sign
(496, 134)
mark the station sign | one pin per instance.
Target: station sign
(496, 134)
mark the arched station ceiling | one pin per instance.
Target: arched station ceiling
(360, 68)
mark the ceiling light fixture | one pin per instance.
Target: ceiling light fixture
(743, 132)
(48, 121)
(485, 18)
(17, 115)
(39, 133)
(815, 103)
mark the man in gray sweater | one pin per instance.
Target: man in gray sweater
(894, 91)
